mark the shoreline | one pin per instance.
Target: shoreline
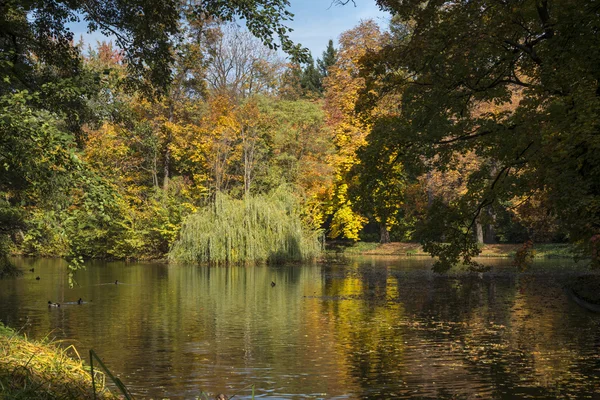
(403, 249)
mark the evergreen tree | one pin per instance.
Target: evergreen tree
(329, 58)
(311, 80)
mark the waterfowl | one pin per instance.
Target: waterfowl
(32, 270)
(51, 304)
(37, 278)
(116, 282)
(272, 284)
(80, 302)
(221, 396)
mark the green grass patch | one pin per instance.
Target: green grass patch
(43, 370)
(554, 250)
(360, 247)
(544, 250)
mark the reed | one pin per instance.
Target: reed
(262, 228)
(42, 370)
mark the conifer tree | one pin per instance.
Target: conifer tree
(311, 81)
(329, 59)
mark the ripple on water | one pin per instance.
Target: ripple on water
(372, 329)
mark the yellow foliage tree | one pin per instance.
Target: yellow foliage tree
(342, 88)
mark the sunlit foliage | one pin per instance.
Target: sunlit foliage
(252, 229)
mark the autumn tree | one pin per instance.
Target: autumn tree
(458, 55)
(290, 87)
(342, 87)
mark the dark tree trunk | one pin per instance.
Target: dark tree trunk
(490, 231)
(479, 231)
(384, 234)
(429, 191)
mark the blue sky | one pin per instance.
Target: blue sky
(315, 22)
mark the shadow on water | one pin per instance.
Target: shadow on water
(370, 328)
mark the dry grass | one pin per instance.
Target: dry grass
(40, 370)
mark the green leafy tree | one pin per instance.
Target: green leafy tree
(533, 65)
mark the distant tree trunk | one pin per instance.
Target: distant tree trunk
(479, 231)
(490, 231)
(154, 174)
(167, 164)
(384, 233)
(166, 169)
(429, 190)
(249, 145)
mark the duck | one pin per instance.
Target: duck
(37, 278)
(32, 270)
(116, 282)
(272, 284)
(80, 301)
(51, 304)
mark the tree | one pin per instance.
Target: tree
(299, 149)
(342, 87)
(328, 59)
(239, 65)
(290, 87)
(456, 57)
(311, 80)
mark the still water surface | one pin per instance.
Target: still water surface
(369, 328)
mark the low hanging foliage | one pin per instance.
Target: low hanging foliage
(255, 229)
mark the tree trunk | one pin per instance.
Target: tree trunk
(429, 191)
(166, 169)
(479, 231)
(167, 164)
(384, 233)
(490, 231)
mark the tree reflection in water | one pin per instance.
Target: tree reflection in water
(372, 328)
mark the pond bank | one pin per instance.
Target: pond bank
(41, 370)
(545, 250)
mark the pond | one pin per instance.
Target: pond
(367, 328)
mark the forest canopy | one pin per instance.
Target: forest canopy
(458, 124)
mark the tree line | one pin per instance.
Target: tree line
(440, 128)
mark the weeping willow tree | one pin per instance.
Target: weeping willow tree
(255, 229)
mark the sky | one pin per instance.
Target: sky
(315, 22)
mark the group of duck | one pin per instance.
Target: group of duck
(79, 302)
(51, 304)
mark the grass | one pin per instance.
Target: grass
(43, 370)
(545, 250)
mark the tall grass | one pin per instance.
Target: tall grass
(255, 229)
(41, 370)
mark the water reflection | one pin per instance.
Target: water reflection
(374, 328)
